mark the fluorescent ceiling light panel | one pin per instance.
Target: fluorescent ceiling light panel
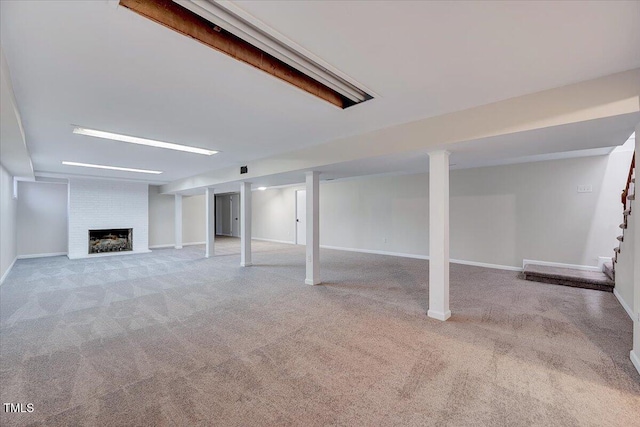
(141, 141)
(115, 168)
(241, 24)
(262, 188)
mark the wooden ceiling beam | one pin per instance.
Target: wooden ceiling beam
(183, 21)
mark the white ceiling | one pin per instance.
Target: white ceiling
(13, 149)
(92, 64)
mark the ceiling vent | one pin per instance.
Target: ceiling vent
(226, 28)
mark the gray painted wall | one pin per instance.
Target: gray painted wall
(42, 218)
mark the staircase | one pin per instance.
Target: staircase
(600, 280)
(586, 279)
(628, 195)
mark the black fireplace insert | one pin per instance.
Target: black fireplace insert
(110, 240)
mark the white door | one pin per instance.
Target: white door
(301, 217)
(235, 215)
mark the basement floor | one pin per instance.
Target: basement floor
(172, 338)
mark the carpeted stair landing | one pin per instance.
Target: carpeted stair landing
(568, 277)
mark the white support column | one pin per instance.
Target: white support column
(178, 220)
(313, 228)
(635, 352)
(210, 226)
(439, 235)
(245, 224)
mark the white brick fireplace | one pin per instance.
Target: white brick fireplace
(96, 204)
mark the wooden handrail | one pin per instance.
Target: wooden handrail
(626, 188)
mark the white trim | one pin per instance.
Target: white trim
(426, 257)
(635, 360)
(28, 256)
(372, 251)
(287, 242)
(623, 303)
(6, 273)
(602, 260)
(104, 254)
(559, 264)
(173, 245)
(439, 315)
(485, 265)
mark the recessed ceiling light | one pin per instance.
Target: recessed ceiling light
(115, 168)
(141, 141)
(262, 188)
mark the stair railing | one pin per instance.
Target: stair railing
(625, 192)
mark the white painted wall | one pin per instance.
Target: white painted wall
(8, 229)
(193, 219)
(162, 215)
(624, 267)
(499, 215)
(161, 218)
(99, 204)
(273, 214)
(42, 218)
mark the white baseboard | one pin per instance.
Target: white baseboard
(559, 264)
(623, 303)
(105, 254)
(635, 360)
(274, 240)
(377, 252)
(172, 245)
(485, 265)
(602, 260)
(425, 257)
(41, 255)
(6, 273)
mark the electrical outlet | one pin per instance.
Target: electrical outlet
(584, 189)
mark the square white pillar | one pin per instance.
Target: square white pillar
(635, 352)
(178, 220)
(313, 228)
(245, 224)
(439, 235)
(210, 226)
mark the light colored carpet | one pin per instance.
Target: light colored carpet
(172, 338)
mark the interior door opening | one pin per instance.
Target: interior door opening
(228, 215)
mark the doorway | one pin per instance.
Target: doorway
(228, 215)
(301, 217)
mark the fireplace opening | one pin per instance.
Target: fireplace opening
(110, 240)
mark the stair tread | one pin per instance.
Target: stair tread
(621, 238)
(627, 211)
(623, 225)
(568, 274)
(609, 270)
